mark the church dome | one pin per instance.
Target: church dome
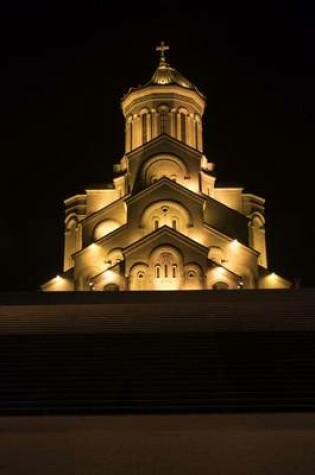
(166, 75)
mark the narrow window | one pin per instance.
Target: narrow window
(157, 272)
(197, 135)
(130, 135)
(174, 224)
(156, 224)
(164, 121)
(166, 271)
(183, 126)
(144, 128)
(174, 271)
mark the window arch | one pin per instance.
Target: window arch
(161, 166)
(166, 213)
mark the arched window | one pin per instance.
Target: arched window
(138, 277)
(167, 263)
(183, 126)
(130, 135)
(197, 135)
(158, 167)
(198, 132)
(174, 223)
(193, 277)
(156, 224)
(144, 128)
(164, 122)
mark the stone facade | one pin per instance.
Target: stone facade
(163, 224)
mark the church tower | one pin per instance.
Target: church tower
(163, 224)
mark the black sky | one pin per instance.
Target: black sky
(64, 69)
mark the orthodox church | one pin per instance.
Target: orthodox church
(163, 224)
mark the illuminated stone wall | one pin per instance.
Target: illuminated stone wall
(163, 224)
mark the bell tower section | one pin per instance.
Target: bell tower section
(168, 104)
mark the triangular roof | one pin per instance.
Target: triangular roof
(171, 237)
(178, 240)
(164, 143)
(167, 183)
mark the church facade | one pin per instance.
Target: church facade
(163, 224)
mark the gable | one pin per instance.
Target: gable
(164, 143)
(165, 192)
(164, 147)
(141, 250)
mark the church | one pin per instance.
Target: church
(149, 382)
(163, 224)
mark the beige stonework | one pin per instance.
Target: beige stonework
(163, 224)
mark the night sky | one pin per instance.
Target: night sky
(64, 69)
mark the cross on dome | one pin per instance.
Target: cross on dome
(162, 48)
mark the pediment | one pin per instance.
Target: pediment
(164, 143)
(166, 236)
(161, 188)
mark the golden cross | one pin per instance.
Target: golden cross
(162, 47)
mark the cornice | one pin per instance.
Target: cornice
(148, 93)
